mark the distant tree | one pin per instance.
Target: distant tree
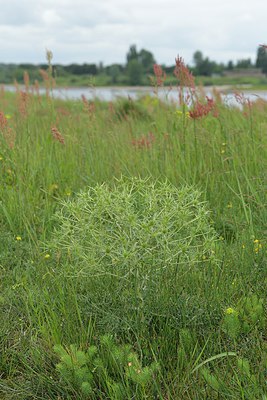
(42, 66)
(138, 63)
(132, 54)
(219, 68)
(244, 63)
(91, 69)
(84, 69)
(203, 66)
(168, 70)
(230, 65)
(197, 58)
(147, 60)
(134, 72)
(60, 70)
(26, 66)
(100, 67)
(207, 67)
(261, 61)
(114, 71)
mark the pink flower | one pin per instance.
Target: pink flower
(201, 110)
(57, 135)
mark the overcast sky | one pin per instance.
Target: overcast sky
(102, 30)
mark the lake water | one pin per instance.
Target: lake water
(112, 93)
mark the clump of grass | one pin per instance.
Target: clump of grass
(126, 108)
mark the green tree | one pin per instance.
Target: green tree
(197, 58)
(261, 61)
(138, 63)
(230, 65)
(134, 72)
(147, 60)
(114, 72)
(132, 54)
(244, 63)
(203, 66)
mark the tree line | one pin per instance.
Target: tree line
(139, 64)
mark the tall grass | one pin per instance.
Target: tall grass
(205, 329)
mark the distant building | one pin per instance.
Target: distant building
(241, 72)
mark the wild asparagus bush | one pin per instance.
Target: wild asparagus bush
(129, 245)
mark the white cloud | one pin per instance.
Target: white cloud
(103, 30)
(51, 17)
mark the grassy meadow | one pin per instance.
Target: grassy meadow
(133, 248)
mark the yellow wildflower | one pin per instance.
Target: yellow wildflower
(257, 245)
(180, 113)
(230, 311)
(18, 238)
(53, 187)
(47, 256)
(258, 248)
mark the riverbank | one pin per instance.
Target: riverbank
(227, 92)
(170, 81)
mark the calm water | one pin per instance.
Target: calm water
(112, 93)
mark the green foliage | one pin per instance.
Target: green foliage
(211, 379)
(231, 324)
(144, 57)
(138, 63)
(261, 61)
(203, 66)
(187, 340)
(135, 72)
(74, 369)
(147, 60)
(127, 246)
(248, 315)
(186, 349)
(137, 225)
(243, 366)
(110, 369)
(128, 108)
(252, 313)
(239, 381)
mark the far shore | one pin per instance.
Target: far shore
(209, 88)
